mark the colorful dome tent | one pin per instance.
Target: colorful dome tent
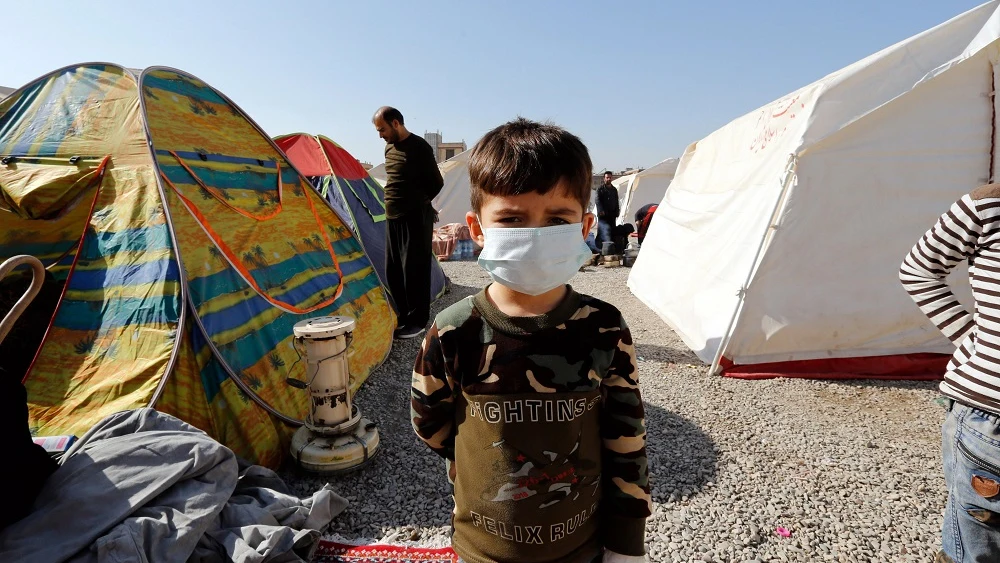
(187, 247)
(347, 186)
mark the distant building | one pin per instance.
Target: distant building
(448, 150)
(442, 150)
(4, 92)
(366, 165)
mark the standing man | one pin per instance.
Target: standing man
(413, 179)
(607, 210)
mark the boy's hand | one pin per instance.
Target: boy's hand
(612, 557)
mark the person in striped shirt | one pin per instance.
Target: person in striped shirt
(970, 232)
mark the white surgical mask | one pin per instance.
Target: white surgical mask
(534, 260)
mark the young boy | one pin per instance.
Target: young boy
(529, 390)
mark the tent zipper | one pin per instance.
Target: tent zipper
(7, 160)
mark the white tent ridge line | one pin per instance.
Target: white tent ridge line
(452, 202)
(634, 190)
(874, 153)
(378, 173)
(643, 187)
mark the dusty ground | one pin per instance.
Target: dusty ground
(850, 468)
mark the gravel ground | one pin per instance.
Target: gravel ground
(850, 468)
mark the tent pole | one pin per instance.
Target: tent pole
(993, 119)
(772, 225)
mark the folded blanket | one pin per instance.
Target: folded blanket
(446, 238)
(145, 486)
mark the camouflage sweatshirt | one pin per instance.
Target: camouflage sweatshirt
(542, 426)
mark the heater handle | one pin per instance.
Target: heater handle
(298, 383)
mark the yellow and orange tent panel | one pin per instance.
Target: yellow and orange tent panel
(187, 246)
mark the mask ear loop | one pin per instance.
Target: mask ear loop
(482, 231)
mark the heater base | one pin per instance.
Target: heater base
(333, 454)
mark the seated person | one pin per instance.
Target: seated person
(619, 236)
(32, 464)
(641, 214)
(642, 223)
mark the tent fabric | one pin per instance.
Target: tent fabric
(634, 190)
(781, 235)
(144, 486)
(113, 335)
(918, 367)
(178, 293)
(379, 174)
(644, 187)
(452, 203)
(346, 185)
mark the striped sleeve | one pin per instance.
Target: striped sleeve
(625, 472)
(432, 397)
(952, 239)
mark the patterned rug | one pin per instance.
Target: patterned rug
(333, 552)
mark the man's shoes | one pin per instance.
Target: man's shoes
(408, 332)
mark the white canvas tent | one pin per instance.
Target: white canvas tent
(647, 186)
(623, 184)
(452, 202)
(378, 173)
(781, 236)
(634, 190)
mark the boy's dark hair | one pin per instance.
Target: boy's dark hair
(608, 173)
(388, 114)
(524, 156)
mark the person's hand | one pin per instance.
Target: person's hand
(612, 557)
(437, 216)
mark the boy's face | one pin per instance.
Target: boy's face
(530, 210)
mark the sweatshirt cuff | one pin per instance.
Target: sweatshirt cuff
(612, 557)
(624, 535)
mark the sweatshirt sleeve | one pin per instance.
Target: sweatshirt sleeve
(432, 399)
(951, 240)
(433, 182)
(626, 502)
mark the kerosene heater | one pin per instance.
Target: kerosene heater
(334, 438)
